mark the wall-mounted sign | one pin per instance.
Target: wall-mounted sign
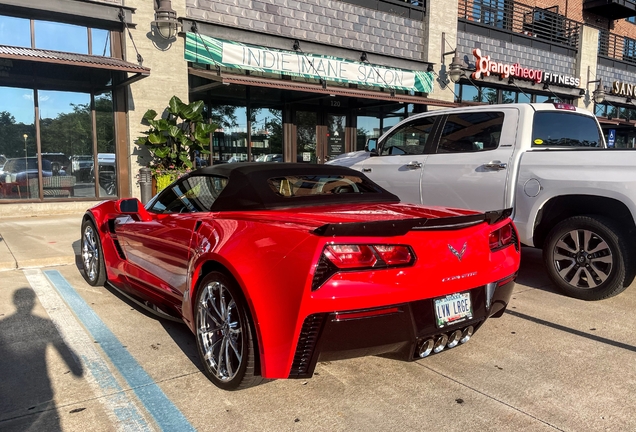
(209, 50)
(623, 89)
(484, 66)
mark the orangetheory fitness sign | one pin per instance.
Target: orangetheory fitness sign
(484, 66)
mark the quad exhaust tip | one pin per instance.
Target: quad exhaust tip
(426, 347)
(438, 343)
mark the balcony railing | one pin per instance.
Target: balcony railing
(544, 24)
(617, 47)
(413, 9)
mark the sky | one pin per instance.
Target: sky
(19, 102)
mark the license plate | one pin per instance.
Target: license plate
(453, 309)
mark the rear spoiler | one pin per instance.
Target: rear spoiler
(402, 226)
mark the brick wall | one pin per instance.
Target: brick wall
(329, 22)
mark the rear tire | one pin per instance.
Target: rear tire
(92, 255)
(224, 334)
(587, 258)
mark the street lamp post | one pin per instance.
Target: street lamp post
(25, 136)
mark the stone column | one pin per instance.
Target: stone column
(441, 17)
(168, 76)
(586, 59)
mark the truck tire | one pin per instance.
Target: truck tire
(587, 257)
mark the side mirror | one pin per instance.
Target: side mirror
(372, 144)
(132, 206)
(127, 206)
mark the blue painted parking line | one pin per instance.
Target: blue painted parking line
(166, 415)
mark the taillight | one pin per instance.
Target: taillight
(350, 256)
(342, 257)
(502, 237)
(564, 106)
(368, 256)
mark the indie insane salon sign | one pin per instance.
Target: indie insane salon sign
(484, 66)
(208, 50)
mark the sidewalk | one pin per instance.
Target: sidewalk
(39, 241)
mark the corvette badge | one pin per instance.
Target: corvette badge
(459, 255)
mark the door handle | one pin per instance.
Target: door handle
(366, 170)
(495, 165)
(414, 165)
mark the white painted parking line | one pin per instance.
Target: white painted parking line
(121, 409)
(165, 414)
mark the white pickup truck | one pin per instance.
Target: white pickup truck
(570, 194)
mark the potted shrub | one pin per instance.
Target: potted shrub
(176, 140)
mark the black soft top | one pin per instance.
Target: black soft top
(248, 187)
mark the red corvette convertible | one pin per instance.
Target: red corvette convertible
(276, 266)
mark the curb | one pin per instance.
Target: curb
(39, 262)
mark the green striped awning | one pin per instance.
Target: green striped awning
(209, 50)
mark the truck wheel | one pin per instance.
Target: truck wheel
(586, 257)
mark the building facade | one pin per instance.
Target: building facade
(286, 80)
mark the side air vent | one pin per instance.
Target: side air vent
(306, 346)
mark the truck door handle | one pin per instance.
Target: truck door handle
(495, 165)
(414, 165)
(366, 170)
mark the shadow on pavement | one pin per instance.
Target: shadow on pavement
(27, 401)
(532, 272)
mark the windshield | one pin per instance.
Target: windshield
(565, 129)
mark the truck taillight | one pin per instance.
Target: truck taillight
(502, 237)
(350, 257)
(565, 106)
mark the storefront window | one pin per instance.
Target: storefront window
(267, 135)
(66, 134)
(468, 93)
(61, 37)
(15, 31)
(64, 157)
(18, 150)
(230, 139)
(306, 122)
(368, 127)
(523, 97)
(100, 42)
(54, 36)
(105, 145)
(508, 96)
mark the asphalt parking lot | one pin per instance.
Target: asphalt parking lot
(73, 357)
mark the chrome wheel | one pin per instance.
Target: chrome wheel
(90, 253)
(92, 256)
(583, 259)
(587, 257)
(220, 331)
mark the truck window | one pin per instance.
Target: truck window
(471, 132)
(410, 138)
(563, 129)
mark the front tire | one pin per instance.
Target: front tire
(224, 333)
(92, 255)
(587, 258)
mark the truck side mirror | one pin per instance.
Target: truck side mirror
(372, 144)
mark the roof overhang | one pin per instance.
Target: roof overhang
(24, 64)
(219, 78)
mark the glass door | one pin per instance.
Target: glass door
(307, 148)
